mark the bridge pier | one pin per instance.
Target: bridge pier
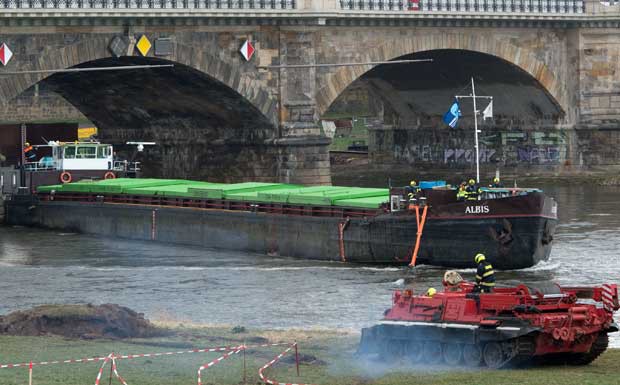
(304, 157)
(303, 160)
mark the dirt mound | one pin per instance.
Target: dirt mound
(303, 359)
(78, 321)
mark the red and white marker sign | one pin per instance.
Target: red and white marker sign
(5, 54)
(247, 50)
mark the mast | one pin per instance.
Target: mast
(473, 94)
(477, 147)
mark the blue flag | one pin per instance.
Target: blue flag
(452, 116)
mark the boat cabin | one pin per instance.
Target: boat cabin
(67, 162)
(84, 156)
(75, 156)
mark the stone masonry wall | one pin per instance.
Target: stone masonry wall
(583, 66)
(41, 106)
(599, 78)
(547, 151)
(541, 52)
(295, 151)
(293, 100)
(598, 69)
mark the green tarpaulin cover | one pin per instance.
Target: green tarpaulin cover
(249, 191)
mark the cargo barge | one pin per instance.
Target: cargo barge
(513, 227)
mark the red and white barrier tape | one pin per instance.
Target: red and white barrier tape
(105, 361)
(205, 350)
(111, 357)
(121, 379)
(278, 357)
(235, 350)
(27, 364)
(216, 361)
(127, 356)
(239, 349)
(266, 345)
(230, 350)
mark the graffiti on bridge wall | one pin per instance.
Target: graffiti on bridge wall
(413, 153)
(436, 154)
(535, 147)
(544, 154)
(459, 155)
(508, 147)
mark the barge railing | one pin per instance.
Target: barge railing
(216, 204)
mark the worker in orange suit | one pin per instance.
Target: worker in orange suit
(29, 152)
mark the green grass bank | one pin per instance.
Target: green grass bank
(327, 358)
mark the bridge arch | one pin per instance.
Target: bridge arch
(228, 73)
(337, 82)
(208, 115)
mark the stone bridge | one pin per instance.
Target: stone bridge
(552, 67)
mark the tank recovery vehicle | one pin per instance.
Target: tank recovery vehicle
(511, 325)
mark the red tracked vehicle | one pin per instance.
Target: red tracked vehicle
(509, 326)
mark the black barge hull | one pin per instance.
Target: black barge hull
(513, 234)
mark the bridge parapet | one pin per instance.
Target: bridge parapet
(602, 7)
(149, 4)
(469, 6)
(259, 8)
(322, 12)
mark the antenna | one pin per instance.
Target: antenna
(86, 69)
(476, 131)
(322, 65)
(140, 145)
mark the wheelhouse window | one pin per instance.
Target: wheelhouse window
(69, 152)
(103, 152)
(86, 152)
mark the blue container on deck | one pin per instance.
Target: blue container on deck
(433, 183)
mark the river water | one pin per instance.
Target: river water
(170, 282)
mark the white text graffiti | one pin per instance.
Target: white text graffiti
(459, 155)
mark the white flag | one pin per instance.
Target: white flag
(488, 112)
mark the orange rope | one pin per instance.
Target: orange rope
(420, 224)
(341, 227)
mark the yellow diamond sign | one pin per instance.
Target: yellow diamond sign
(144, 45)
